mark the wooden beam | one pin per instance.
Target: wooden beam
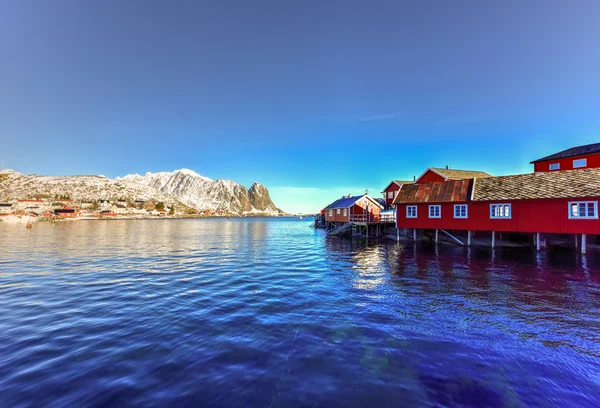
(583, 243)
(451, 236)
(493, 239)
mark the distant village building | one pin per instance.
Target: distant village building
(120, 209)
(6, 208)
(30, 204)
(362, 208)
(66, 213)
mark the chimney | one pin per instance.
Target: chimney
(414, 178)
(447, 167)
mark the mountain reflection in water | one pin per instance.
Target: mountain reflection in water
(261, 312)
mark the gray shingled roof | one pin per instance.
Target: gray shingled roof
(572, 152)
(558, 184)
(452, 174)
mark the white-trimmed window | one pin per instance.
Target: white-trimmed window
(461, 211)
(577, 163)
(582, 210)
(345, 212)
(390, 194)
(331, 213)
(500, 211)
(554, 166)
(411, 211)
(435, 211)
(337, 211)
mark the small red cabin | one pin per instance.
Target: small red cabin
(580, 157)
(391, 190)
(434, 174)
(353, 209)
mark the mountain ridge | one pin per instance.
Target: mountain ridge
(184, 186)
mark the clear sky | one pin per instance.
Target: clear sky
(314, 99)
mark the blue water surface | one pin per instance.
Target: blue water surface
(268, 312)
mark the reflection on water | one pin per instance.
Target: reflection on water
(254, 312)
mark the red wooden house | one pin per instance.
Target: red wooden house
(563, 202)
(391, 190)
(434, 174)
(353, 209)
(580, 157)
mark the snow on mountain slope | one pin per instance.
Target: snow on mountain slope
(205, 194)
(15, 185)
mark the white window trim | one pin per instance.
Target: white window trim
(493, 217)
(554, 164)
(466, 210)
(416, 211)
(390, 194)
(586, 217)
(331, 213)
(580, 160)
(337, 211)
(435, 216)
(345, 212)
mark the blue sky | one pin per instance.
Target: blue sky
(314, 99)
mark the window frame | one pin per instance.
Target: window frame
(439, 207)
(466, 206)
(586, 217)
(553, 164)
(390, 194)
(584, 160)
(408, 208)
(337, 211)
(331, 213)
(502, 217)
(345, 212)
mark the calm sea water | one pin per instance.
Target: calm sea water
(268, 312)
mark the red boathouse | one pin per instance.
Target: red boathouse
(564, 202)
(391, 190)
(434, 174)
(352, 209)
(580, 157)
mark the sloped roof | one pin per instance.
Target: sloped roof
(571, 152)
(398, 182)
(439, 192)
(346, 202)
(559, 184)
(452, 174)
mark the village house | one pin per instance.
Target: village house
(66, 213)
(162, 213)
(580, 157)
(154, 212)
(6, 208)
(433, 174)
(391, 190)
(86, 205)
(362, 208)
(120, 209)
(563, 202)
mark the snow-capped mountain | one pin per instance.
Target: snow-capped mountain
(203, 193)
(181, 186)
(15, 185)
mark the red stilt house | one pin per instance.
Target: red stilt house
(434, 174)
(563, 202)
(580, 157)
(391, 190)
(352, 209)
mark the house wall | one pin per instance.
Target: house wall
(335, 217)
(430, 177)
(393, 188)
(545, 216)
(593, 161)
